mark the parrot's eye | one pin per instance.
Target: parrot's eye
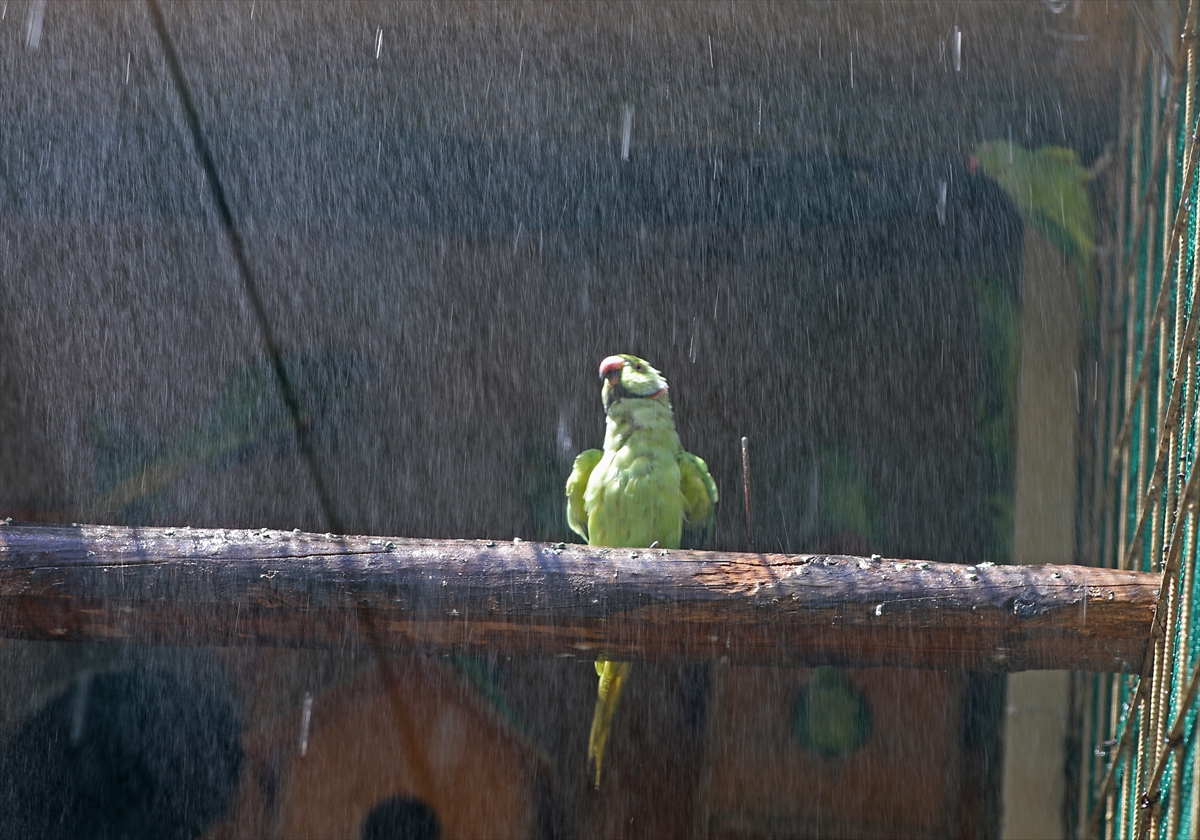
(638, 368)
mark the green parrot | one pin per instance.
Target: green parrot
(1049, 188)
(999, 313)
(641, 490)
(248, 411)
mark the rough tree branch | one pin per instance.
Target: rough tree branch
(224, 587)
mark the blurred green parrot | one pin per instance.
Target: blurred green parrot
(248, 411)
(999, 313)
(1049, 188)
(831, 716)
(847, 516)
(640, 491)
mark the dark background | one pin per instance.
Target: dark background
(443, 241)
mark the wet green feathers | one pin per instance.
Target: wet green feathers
(642, 489)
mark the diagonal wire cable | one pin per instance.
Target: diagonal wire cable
(287, 389)
(387, 671)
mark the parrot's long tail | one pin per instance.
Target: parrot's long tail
(612, 680)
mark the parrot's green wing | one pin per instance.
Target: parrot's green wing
(585, 462)
(699, 497)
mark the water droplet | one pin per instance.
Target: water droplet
(626, 130)
(33, 24)
(79, 707)
(305, 720)
(563, 435)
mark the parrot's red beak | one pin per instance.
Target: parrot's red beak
(611, 367)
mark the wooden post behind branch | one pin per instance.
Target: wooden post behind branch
(220, 587)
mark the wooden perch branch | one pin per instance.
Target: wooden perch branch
(218, 587)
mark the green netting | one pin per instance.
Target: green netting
(1139, 780)
(1139, 493)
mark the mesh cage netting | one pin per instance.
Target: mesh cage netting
(1140, 485)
